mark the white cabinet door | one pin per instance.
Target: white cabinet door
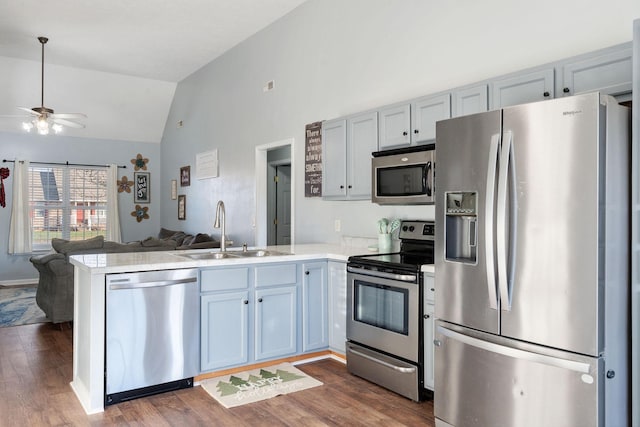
(315, 309)
(334, 158)
(337, 306)
(471, 101)
(609, 73)
(361, 142)
(224, 329)
(275, 322)
(425, 113)
(523, 88)
(394, 127)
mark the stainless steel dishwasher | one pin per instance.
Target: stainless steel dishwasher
(152, 333)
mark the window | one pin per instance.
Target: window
(67, 202)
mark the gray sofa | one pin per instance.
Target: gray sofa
(55, 284)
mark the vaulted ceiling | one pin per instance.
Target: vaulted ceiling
(123, 44)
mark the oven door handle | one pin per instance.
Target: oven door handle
(400, 277)
(383, 363)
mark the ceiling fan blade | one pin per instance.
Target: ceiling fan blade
(15, 116)
(68, 116)
(68, 123)
(29, 110)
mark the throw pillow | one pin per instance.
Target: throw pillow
(165, 234)
(72, 246)
(202, 237)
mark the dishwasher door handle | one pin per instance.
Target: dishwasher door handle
(152, 284)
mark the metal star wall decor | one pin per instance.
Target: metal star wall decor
(140, 213)
(124, 185)
(139, 163)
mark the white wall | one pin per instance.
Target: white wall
(334, 57)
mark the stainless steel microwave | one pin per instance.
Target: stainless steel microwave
(404, 176)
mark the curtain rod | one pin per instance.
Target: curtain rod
(62, 164)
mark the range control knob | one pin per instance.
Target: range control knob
(405, 228)
(411, 228)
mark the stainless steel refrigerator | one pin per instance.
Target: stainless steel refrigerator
(531, 266)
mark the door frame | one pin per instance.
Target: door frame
(260, 221)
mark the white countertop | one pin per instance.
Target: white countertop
(165, 260)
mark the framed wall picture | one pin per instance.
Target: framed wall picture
(185, 176)
(182, 206)
(142, 187)
(174, 189)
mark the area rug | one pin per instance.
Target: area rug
(258, 384)
(18, 306)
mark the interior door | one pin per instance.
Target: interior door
(465, 289)
(283, 205)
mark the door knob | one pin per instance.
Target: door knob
(259, 299)
(426, 316)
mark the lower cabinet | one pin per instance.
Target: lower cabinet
(253, 313)
(275, 322)
(429, 330)
(337, 306)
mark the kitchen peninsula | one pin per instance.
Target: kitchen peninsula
(314, 273)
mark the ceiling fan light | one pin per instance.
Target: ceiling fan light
(27, 126)
(43, 126)
(56, 128)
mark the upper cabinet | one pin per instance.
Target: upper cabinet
(470, 100)
(413, 123)
(609, 73)
(347, 145)
(523, 88)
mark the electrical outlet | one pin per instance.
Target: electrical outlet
(269, 86)
(337, 225)
(180, 124)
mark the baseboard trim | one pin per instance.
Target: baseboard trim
(294, 360)
(18, 282)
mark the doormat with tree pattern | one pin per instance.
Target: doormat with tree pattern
(257, 384)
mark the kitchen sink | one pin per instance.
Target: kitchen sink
(233, 254)
(259, 253)
(208, 255)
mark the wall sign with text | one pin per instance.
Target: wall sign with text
(313, 160)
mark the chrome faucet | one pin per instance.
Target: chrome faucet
(220, 218)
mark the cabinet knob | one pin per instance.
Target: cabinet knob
(546, 94)
(404, 133)
(341, 187)
(433, 289)
(416, 131)
(426, 316)
(259, 299)
(246, 301)
(349, 186)
(566, 90)
(306, 272)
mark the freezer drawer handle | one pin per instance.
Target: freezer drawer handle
(572, 365)
(382, 274)
(154, 284)
(383, 363)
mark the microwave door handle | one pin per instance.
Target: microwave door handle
(494, 148)
(502, 216)
(426, 180)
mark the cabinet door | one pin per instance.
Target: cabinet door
(337, 306)
(315, 310)
(609, 73)
(334, 158)
(520, 89)
(426, 112)
(362, 141)
(429, 333)
(224, 330)
(394, 126)
(470, 101)
(275, 322)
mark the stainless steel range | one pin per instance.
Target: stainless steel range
(385, 337)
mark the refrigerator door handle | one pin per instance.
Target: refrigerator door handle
(502, 211)
(515, 353)
(492, 169)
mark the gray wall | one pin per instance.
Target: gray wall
(329, 58)
(52, 148)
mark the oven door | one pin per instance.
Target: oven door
(383, 312)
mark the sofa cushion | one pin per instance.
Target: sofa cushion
(202, 237)
(153, 242)
(188, 239)
(71, 246)
(165, 233)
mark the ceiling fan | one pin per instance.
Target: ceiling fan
(44, 119)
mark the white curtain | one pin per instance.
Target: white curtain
(113, 217)
(20, 228)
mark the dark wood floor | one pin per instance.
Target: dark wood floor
(36, 368)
